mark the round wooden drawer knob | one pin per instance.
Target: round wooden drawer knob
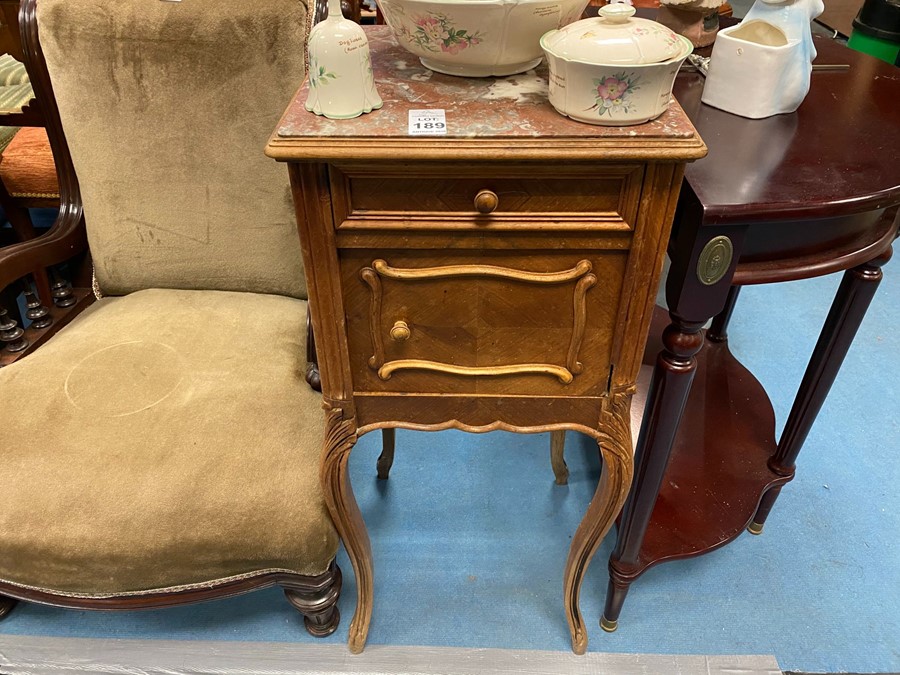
(486, 202)
(400, 331)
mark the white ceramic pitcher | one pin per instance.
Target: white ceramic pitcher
(341, 83)
(762, 66)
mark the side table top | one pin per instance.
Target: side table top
(486, 117)
(836, 156)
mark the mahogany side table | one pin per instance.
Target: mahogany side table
(784, 198)
(499, 277)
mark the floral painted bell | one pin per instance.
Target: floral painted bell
(341, 83)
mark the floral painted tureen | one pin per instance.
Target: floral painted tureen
(477, 38)
(613, 69)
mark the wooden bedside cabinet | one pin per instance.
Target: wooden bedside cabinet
(500, 277)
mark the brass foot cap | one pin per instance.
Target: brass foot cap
(755, 528)
(609, 626)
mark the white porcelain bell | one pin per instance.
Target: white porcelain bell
(341, 83)
(762, 66)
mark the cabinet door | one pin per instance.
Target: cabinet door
(485, 322)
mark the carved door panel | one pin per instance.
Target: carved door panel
(484, 322)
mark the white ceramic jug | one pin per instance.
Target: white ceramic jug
(762, 66)
(341, 83)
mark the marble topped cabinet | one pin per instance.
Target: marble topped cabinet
(499, 276)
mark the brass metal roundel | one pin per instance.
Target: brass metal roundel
(715, 259)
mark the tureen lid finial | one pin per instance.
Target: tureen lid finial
(617, 12)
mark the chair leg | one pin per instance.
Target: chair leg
(7, 605)
(386, 458)
(557, 457)
(317, 601)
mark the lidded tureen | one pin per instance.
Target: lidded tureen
(614, 69)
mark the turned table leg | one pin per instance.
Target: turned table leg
(666, 398)
(847, 311)
(340, 437)
(614, 439)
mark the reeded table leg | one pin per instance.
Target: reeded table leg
(666, 398)
(847, 311)
(614, 438)
(340, 437)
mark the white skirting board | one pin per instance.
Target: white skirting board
(44, 656)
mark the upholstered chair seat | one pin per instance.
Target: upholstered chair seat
(163, 439)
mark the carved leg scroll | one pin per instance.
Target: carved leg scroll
(317, 601)
(557, 457)
(615, 444)
(340, 437)
(386, 458)
(6, 606)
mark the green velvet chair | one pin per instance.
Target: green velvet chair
(163, 446)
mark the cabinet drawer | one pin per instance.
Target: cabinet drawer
(441, 197)
(485, 322)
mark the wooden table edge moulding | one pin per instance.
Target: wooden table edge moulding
(365, 195)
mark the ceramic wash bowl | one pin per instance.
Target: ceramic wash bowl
(477, 38)
(613, 70)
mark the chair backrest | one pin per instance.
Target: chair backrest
(166, 108)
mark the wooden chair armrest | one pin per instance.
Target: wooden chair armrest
(65, 238)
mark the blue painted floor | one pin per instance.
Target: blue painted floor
(470, 534)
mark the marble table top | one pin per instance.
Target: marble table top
(508, 109)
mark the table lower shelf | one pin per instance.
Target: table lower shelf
(718, 468)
